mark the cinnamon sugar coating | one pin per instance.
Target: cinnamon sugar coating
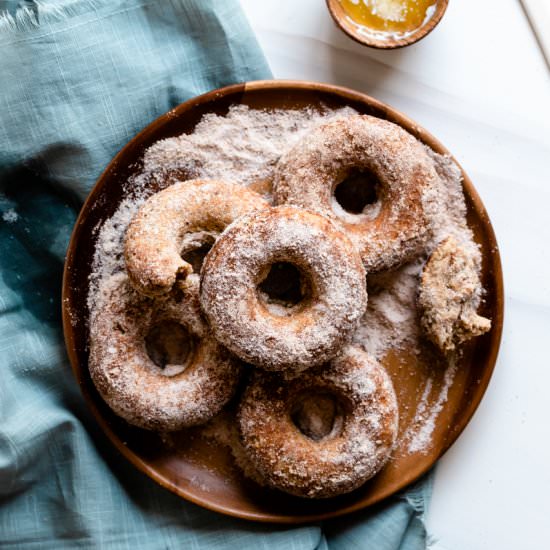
(276, 337)
(393, 229)
(359, 440)
(180, 218)
(132, 384)
(449, 295)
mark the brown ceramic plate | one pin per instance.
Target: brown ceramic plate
(204, 474)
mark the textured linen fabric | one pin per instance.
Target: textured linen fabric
(78, 79)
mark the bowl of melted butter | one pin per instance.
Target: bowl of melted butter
(387, 24)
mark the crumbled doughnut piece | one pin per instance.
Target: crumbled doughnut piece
(449, 295)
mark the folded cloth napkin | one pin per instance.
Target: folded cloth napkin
(78, 80)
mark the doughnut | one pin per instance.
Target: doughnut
(178, 220)
(323, 433)
(392, 227)
(329, 299)
(153, 360)
(449, 294)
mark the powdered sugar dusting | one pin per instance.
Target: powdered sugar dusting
(419, 436)
(109, 250)
(241, 147)
(391, 320)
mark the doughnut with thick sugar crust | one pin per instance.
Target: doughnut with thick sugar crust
(178, 219)
(333, 451)
(269, 335)
(391, 230)
(199, 378)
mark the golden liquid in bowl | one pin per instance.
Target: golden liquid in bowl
(399, 16)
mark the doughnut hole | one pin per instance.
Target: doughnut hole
(195, 252)
(358, 193)
(170, 347)
(318, 415)
(283, 288)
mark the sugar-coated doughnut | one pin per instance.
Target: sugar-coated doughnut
(184, 381)
(176, 220)
(392, 229)
(323, 433)
(267, 334)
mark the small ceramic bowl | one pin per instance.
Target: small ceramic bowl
(386, 40)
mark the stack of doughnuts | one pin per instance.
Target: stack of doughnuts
(224, 293)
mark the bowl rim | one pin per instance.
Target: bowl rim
(336, 11)
(240, 90)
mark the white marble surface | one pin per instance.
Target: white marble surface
(480, 84)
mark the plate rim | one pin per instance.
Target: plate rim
(348, 95)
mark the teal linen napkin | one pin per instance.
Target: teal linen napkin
(78, 79)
